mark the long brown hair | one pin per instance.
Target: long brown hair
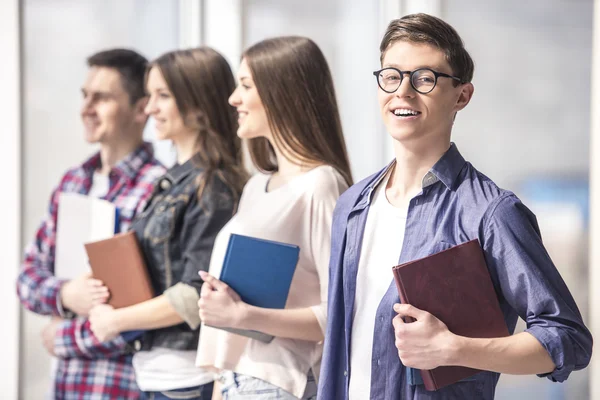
(201, 81)
(295, 86)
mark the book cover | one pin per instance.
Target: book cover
(455, 286)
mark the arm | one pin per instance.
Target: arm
(427, 344)
(43, 293)
(74, 339)
(221, 306)
(37, 287)
(555, 342)
(179, 302)
(532, 286)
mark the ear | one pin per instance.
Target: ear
(464, 96)
(138, 110)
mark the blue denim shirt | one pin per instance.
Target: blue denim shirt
(457, 204)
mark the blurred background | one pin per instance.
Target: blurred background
(528, 126)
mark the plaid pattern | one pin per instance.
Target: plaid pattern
(87, 368)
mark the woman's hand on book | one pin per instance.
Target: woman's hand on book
(220, 306)
(425, 343)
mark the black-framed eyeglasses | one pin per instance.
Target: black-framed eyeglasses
(423, 80)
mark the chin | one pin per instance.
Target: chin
(245, 134)
(92, 138)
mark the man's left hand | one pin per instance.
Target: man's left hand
(49, 334)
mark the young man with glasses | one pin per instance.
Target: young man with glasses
(428, 199)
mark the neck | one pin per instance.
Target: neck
(290, 165)
(413, 161)
(185, 146)
(112, 153)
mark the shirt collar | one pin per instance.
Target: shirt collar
(446, 170)
(179, 172)
(128, 167)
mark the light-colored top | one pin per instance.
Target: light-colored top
(300, 213)
(100, 185)
(166, 369)
(381, 247)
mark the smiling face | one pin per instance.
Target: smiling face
(409, 115)
(162, 107)
(252, 116)
(107, 113)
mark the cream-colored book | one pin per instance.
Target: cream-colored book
(81, 219)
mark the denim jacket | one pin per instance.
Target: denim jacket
(176, 232)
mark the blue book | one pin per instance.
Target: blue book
(261, 272)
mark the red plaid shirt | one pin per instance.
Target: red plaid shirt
(87, 368)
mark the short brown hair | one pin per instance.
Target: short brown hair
(201, 81)
(130, 65)
(424, 28)
(294, 83)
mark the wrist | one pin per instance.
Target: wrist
(119, 321)
(457, 349)
(246, 316)
(64, 295)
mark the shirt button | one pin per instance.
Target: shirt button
(381, 318)
(345, 373)
(165, 184)
(378, 362)
(137, 345)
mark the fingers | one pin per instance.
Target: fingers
(95, 283)
(406, 310)
(212, 281)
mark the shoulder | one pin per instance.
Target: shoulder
(72, 180)
(325, 182)
(151, 171)
(256, 183)
(484, 196)
(349, 198)
(478, 191)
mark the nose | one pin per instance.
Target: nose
(405, 89)
(234, 99)
(86, 107)
(150, 106)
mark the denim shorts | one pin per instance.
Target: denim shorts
(244, 387)
(203, 392)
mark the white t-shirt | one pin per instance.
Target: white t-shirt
(166, 369)
(300, 213)
(380, 251)
(100, 185)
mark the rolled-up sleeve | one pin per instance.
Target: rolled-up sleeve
(532, 286)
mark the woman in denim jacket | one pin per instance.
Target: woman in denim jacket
(188, 92)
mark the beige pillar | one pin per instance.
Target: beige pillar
(594, 274)
(10, 200)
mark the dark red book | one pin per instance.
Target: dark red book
(455, 286)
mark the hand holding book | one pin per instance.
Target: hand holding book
(423, 344)
(220, 306)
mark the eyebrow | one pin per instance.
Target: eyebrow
(95, 92)
(242, 78)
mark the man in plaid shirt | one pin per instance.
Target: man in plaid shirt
(122, 172)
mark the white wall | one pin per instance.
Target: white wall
(58, 35)
(10, 200)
